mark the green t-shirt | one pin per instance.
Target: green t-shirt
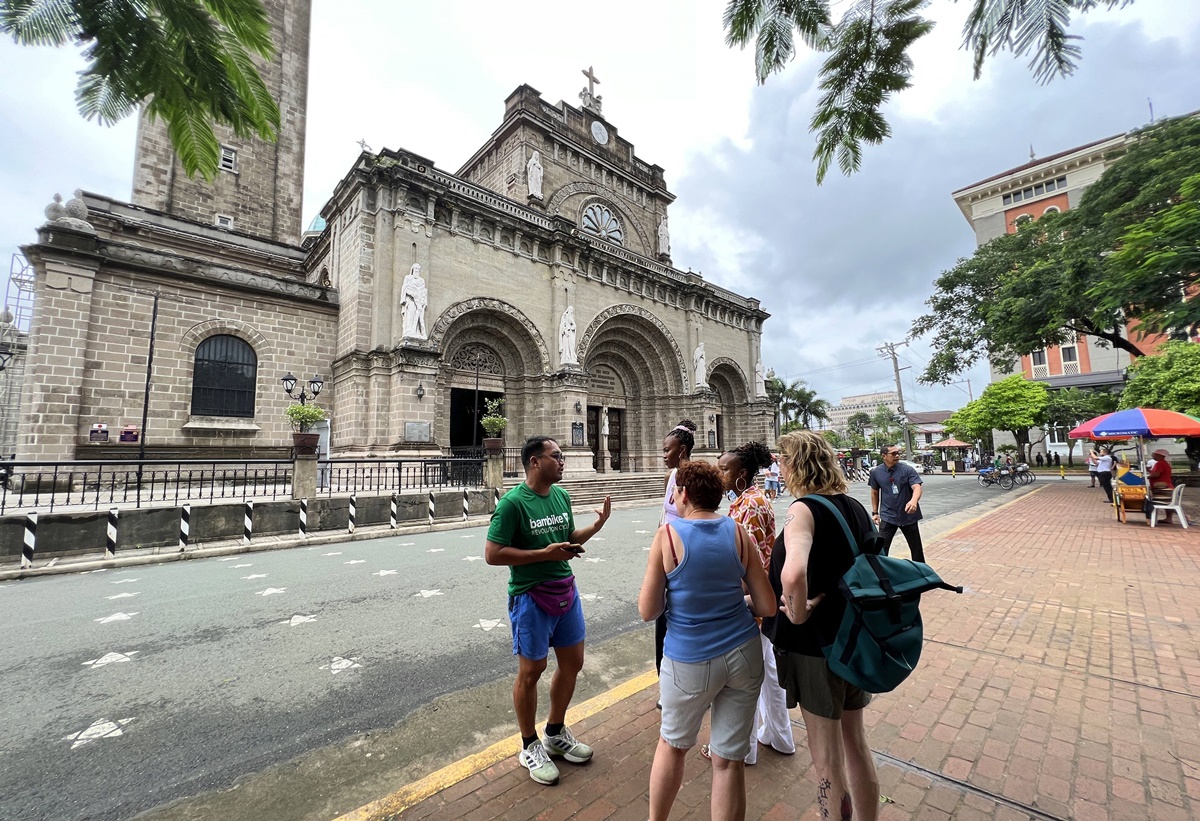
(525, 520)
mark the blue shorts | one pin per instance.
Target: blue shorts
(772, 484)
(535, 631)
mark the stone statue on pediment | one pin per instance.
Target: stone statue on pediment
(414, 297)
(567, 354)
(760, 381)
(700, 366)
(664, 237)
(534, 174)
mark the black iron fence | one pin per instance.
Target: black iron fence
(512, 458)
(46, 486)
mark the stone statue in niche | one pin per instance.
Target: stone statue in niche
(534, 173)
(664, 237)
(604, 423)
(566, 338)
(700, 366)
(760, 380)
(414, 296)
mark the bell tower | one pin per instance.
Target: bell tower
(260, 186)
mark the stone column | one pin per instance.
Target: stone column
(65, 268)
(493, 471)
(304, 477)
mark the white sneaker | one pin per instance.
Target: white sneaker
(535, 759)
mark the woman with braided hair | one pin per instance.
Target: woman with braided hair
(750, 508)
(676, 449)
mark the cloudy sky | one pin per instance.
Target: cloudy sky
(842, 267)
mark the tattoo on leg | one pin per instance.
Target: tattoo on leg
(823, 787)
(847, 807)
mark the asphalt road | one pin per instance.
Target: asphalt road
(128, 689)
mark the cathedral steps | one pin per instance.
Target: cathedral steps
(621, 487)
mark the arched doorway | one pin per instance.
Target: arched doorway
(726, 379)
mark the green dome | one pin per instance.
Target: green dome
(317, 225)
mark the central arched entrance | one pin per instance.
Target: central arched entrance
(634, 379)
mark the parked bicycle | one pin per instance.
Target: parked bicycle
(1022, 475)
(996, 476)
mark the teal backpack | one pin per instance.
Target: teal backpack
(879, 640)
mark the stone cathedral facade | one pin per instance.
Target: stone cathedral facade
(540, 272)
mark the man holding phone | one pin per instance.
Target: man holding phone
(534, 534)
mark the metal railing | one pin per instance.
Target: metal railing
(512, 458)
(45, 486)
(341, 476)
(49, 486)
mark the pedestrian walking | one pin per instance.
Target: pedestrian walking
(807, 563)
(676, 449)
(772, 480)
(713, 656)
(533, 533)
(1104, 468)
(896, 502)
(1091, 460)
(772, 725)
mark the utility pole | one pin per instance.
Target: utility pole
(888, 349)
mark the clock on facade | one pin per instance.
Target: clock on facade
(599, 132)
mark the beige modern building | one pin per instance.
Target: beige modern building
(866, 403)
(540, 272)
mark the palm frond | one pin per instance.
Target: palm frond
(39, 22)
(191, 133)
(773, 25)
(247, 21)
(1024, 26)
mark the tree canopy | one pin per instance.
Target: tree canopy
(1014, 405)
(867, 53)
(1127, 252)
(190, 62)
(1170, 380)
(1067, 407)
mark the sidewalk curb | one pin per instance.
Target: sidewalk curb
(416, 792)
(138, 557)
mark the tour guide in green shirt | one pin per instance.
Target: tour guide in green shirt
(534, 533)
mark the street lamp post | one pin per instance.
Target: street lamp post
(314, 386)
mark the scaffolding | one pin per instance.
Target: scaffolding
(14, 340)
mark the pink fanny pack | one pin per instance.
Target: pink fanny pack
(554, 597)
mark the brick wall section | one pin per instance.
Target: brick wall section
(265, 195)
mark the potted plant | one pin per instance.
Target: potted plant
(493, 425)
(303, 417)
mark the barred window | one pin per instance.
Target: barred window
(224, 377)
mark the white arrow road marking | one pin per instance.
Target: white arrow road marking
(331, 554)
(385, 573)
(236, 566)
(596, 539)
(123, 596)
(641, 531)
(101, 728)
(356, 561)
(407, 544)
(590, 597)
(123, 581)
(593, 561)
(110, 658)
(489, 625)
(339, 664)
(469, 536)
(270, 591)
(427, 593)
(473, 559)
(101, 570)
(635, 521)
(229, 559)
(298, 619)
(117, 617)
(255, 576)
(436, 550)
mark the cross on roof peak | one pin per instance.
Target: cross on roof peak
(592, 79)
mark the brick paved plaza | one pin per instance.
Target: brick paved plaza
(1064, 684)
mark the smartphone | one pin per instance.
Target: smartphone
(575, 548)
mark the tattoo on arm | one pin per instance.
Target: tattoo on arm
(787, 521)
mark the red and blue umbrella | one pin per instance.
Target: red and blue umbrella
(1143, 422)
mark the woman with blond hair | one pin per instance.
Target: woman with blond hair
(807, 562)
(712, 656)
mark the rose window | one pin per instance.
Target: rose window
(599, 221)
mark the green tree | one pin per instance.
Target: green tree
(968, 423)
(1014, 405)
(1128, 252)
(834, 439)
(801, 404)
(858, 423)
(1170, 380)
(775, 391)
(868, 53)
(190, 62)
(882, 422)
(1068, 407)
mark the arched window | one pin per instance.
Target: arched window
(600, 221)
(224, 377)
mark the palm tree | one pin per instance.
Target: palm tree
(187, 61)
(868, 56)
(775, 390)
(800, 404)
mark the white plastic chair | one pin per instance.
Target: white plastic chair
(1176, 504)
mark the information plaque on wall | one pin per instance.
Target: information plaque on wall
(417, 432)
(712, 440)
(576, 434)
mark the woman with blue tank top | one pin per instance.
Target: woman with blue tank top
(711, 655)
(676, 450)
